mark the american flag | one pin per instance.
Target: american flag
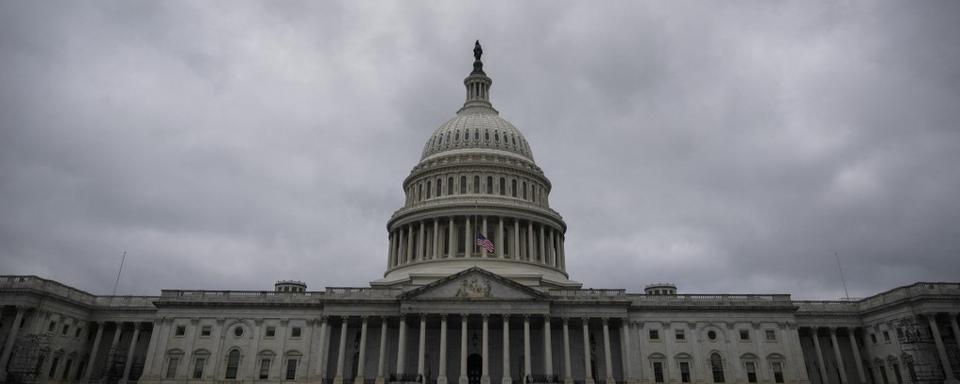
(484, 243)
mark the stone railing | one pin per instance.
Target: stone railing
(462, 200)
(831, 306)
(712, 300)
(589, 293)
(361, 293)
(47, 286)
(909, 291)
(125, 301)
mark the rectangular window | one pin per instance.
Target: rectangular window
(295, 332)
(264, 368)
(657, 372)
(180, 331)
(751, 372)
(271, 331)
(198, 367)
(886, 336)
(679, 335)
(873, 337)
(205, 331)
(66, 369)
(291, 369)
(900, 332)
(654, 334)
(77, 333)
(771, 335)
(53, 366)
(52, 326)
(744, 335)
(684, 372)
(66, 328)
(172, 367)
(777, 371)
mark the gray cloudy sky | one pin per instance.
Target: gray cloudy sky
(723, 146)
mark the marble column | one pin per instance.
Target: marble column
(838, 356)
(551, 253)
(587, 369)
(463, 350)
(567, 372)
(944, 360)
(816, 345)
(442, 374)
(324, 346)
(402, 345)
(421, 242)
(409, 256)
(547, 348)
(608, 361)
(500, 237)
(11, 337)
(527, 366)
(436, 240)
(563, 253)
(625, 367)
(856, 355)
(506, 350)
(483, 230)
(422, 345)
(451, 238)
(362, 353)
(342, 350)
(484, 351)
(382, 359)
(87, 372)
(530, 252)
(515, 252)
(541, 240)
(133, 346)
(116, 340)
(151, 347)
(468, 240)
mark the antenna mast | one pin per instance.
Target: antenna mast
(122, 259)
(842, 280)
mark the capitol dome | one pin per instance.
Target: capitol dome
(476, 198)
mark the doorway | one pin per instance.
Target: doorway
(474, 368)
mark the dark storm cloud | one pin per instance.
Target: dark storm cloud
(727, 147)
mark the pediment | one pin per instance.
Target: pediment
(474, 284)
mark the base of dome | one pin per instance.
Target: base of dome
(426, 272)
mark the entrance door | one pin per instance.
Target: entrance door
(474, 368)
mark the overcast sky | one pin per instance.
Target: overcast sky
(726, 147)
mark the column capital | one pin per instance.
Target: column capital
(423, 316)
(604, 320)
(586, 320)
(485, 316)
(443, 316)
(464, 316)
(546, 317)
(526, 316)
(506, 317)
(566, 320)
(364, 318)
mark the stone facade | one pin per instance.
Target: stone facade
(452, 307)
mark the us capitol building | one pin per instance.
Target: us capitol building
(475, 291)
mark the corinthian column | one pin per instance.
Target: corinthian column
(942, 352)
(567, 375)
(530, 251)
(451, 239)
(506, 350)
(463, 349)
(587, 378)
(547, 347)
(543, 252)
(836, 353)
(515, 253)
(485, 353)
(500, 237)
(361, 358)
(421, 242)
(442, 375)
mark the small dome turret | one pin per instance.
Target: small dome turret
(290, 286)
(660, 289)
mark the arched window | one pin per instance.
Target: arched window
(439, 187)
(489, 185)
(476, 184)
(233, 363)
(503, 186)
(476, 135)
(513, 187)
(428, 189)
(486, 135)
(419, 191)
(457, 136)
(716, 366)
(496, 136)
(463, 184)
(524, 190)
(533, 193)
(449, 185)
